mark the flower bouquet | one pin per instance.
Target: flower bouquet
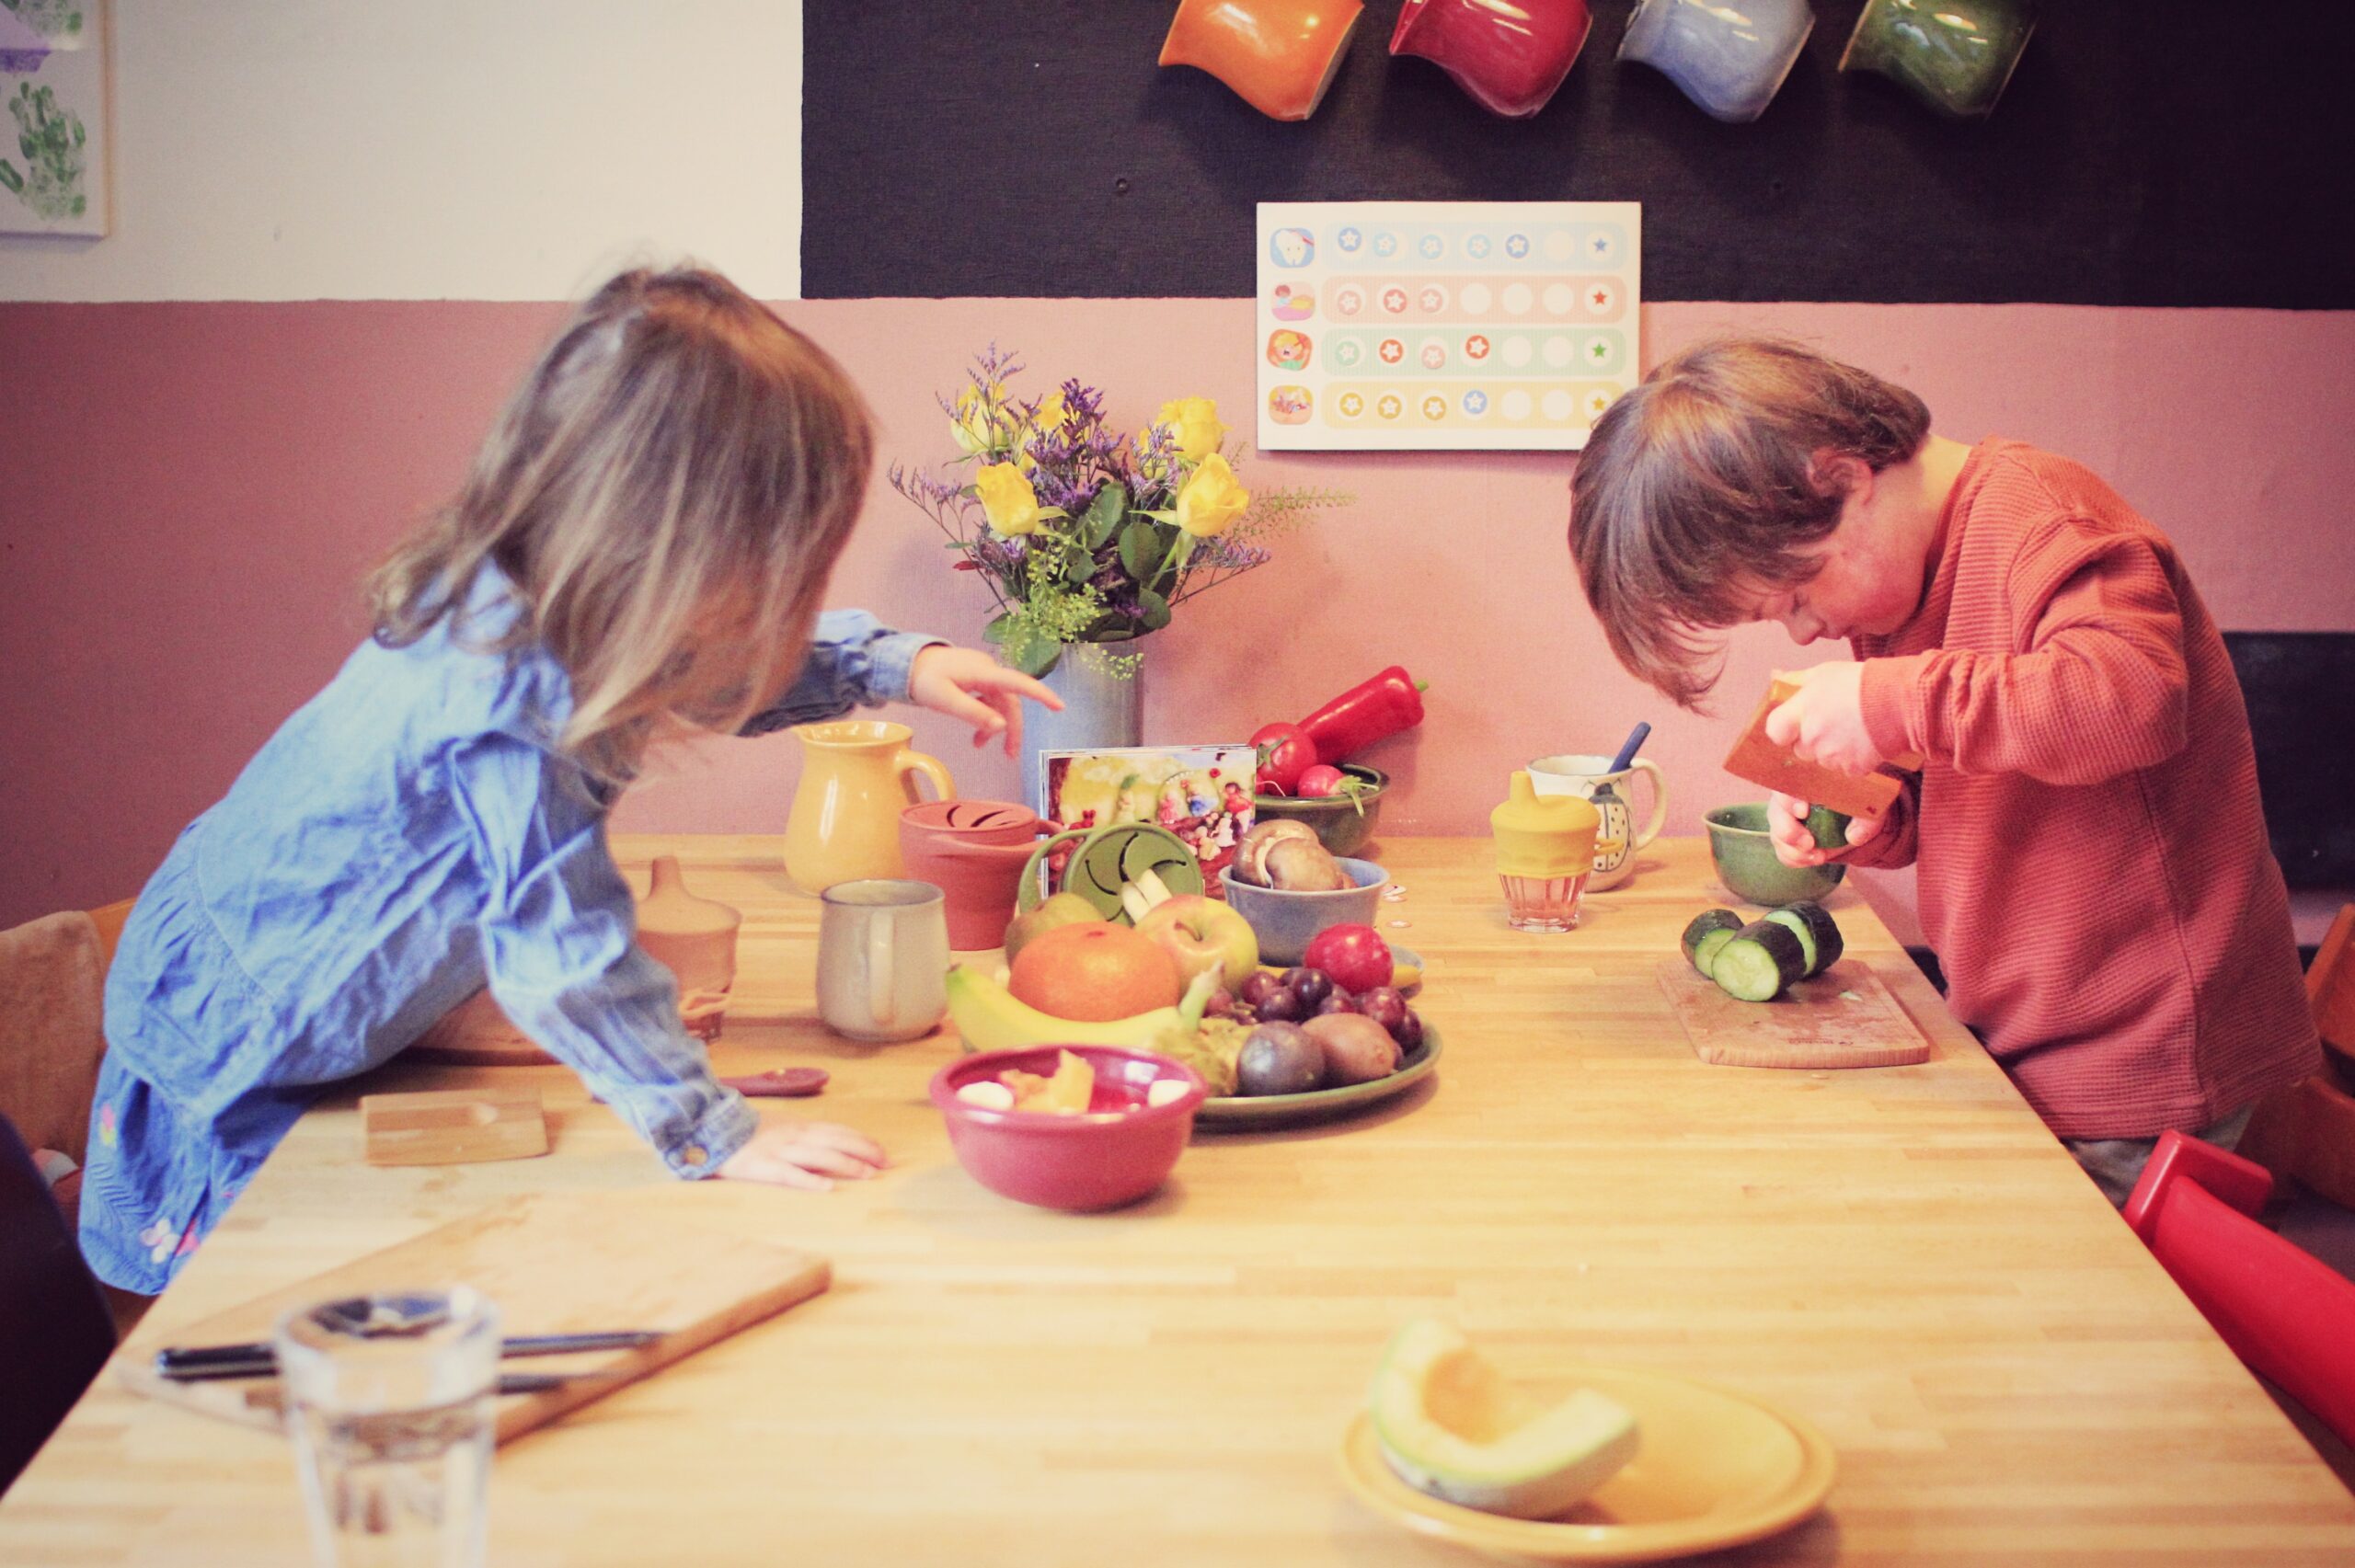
(1084, 536)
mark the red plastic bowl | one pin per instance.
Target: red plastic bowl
(1105, 1157)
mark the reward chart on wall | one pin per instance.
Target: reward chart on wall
(1461, 326)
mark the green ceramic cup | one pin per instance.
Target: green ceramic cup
(1746, 863)
(1955, 55)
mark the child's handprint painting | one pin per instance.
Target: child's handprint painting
(53, 130)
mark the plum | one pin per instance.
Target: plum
(1278, 1058)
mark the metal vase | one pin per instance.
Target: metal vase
(1102, 710)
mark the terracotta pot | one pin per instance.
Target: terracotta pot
(1509, 56)
(973, 851)
(696, 939)
(1280, 55)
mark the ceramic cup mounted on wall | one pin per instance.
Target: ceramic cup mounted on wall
(857, 775)
(1728, 56)
(1954, 55)
(1279, 55)
(1509, 54)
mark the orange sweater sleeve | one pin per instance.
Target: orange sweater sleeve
(2099, 689)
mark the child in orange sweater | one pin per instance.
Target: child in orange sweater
(2092, 867)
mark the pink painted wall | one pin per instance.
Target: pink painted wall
(189, 492)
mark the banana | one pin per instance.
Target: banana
(1156, 892)
(1132, 902)
(991, 1018)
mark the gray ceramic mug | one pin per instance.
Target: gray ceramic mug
(882, 959)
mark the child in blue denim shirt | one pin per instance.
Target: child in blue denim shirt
(638, 554)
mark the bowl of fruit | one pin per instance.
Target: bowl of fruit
(1290, 887)
(1072, 1126)
(1341, 803)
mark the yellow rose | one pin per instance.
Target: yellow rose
(1008, 500)
(1211, 500)
(1194, 427)
(974, 426)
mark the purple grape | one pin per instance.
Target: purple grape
(1312, 986)
(1221, 1004)
(1339, 1002)
(1384, 1006)
(1282, 1006)
(1409, 1031)
(1255, 988)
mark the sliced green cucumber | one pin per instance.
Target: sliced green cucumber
(1829, 828)
(1698, 946)
(1824, 944)
(1758, 961)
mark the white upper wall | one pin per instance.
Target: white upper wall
(438, 149)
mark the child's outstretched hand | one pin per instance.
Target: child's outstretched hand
(805, 1155)
(1824, 720)
(1795, 842)
(968, 685)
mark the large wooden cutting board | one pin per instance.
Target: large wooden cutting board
(553, 1265)
(1842, 1017)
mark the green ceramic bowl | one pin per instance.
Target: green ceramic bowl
(1341, 824)
(1746, 863)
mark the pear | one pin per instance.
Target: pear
(1062, 909)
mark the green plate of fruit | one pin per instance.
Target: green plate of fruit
(1315, 1104)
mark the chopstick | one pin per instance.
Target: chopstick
(190, 1364)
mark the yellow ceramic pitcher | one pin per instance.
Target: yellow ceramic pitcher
(856, 777)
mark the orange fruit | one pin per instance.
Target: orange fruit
(1093, 974)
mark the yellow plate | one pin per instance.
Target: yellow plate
(1715, 1469)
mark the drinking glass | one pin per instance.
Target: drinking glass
(388, 1400)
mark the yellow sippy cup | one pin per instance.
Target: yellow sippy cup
(1544, 854)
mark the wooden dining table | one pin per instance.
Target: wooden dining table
(1903, 1256)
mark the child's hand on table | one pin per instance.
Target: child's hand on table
(1795, 842)
(968, 685)
(1823, 721)
(805, 1155)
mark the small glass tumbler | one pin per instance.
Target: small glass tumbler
(1542, 903)
(388, 1400)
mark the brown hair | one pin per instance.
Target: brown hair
(667, 491)
(1695, 486)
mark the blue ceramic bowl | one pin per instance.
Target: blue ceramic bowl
(1286, 922)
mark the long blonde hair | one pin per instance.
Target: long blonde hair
(667, 491)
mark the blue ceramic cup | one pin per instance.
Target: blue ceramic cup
(1728, 56)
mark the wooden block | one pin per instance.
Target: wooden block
(1762, 761)
(553, 1265)
(1842, 1017)
(453, 1127)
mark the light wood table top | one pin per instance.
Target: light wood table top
(1902, 1255)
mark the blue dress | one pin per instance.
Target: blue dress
(408, 836)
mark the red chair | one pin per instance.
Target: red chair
(2288, 1316)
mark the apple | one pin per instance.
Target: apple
(1202, 934)
(1355, 956)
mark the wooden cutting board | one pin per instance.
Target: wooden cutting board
(553, 1265)
(1842, 1017)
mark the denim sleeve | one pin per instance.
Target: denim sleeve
(558, 938)
(853, 659)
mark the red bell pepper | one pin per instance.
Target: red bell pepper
(1382, 706)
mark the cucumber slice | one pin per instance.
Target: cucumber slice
(1719, 923)
(1704, 953)
(1829, 828)
(1798, 928)
(1826, 944)
(1758, 962)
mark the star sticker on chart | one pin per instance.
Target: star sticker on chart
(1349, 302)
(1386, 245)
(1596, 402)
(1352, 405)
(1434, 355)
(1430, 245)
(1390, 407)
(1476, 402)
(1477, 246)
(1346, 353)
(1434, 407)
(1393, 351)
(1599, 297)
(1517, 247)
(1601, 245)
(1433, 299)
(1394, 299)
(1350, 239)
(1476, 347)
(1598, 350)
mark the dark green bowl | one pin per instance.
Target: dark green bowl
(1746, 863)
(1340, 825)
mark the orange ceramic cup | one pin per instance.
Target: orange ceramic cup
(1279, 55)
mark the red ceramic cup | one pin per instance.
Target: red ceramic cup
(1119, 1149)
(1509, 58)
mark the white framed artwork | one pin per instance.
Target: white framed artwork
(53, 122)
(1444, 326)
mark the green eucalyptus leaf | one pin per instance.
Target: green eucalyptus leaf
(995, 631)
(1153, 608)
(1140, 550)
(1028, 650)
(1105, 514)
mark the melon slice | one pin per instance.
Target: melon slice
(1453, 1428)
